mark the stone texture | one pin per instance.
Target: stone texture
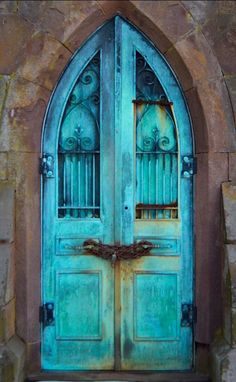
(7, 212)
(15, 33)
(6, 273)
(198, 119)
(58, 18)
(220, 32)
(27, 245)
(231, 86)
(201, 11)
(232, 166)
(3, 167)
(170, 16)
(181, 70)
(44, 61)
(229, 203)
(23, 115)
(7, 7)
(228, 367)
(212, 171)
(4, 134)
(217, 109)
(198, 56)
(6, 367)
(7, 321)
(16, 349)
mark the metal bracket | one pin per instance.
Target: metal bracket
(189, 166)
(46, 316)
(47, 165)
(189, 315)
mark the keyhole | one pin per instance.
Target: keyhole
(126, 207)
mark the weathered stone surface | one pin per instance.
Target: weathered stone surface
(218, 114)
(6, 273)
(232, 166)
(7, 212)
(6, 366)
(220, 32)
(4, 134)
(231, 86)
(16, 349)
(212, 171)
(27, 245)
(201, 11)
(23, 115)
(229, 204)
(3, 167)
(170, 16)
(181, 70)
(198, 119)
(15, 33)
(44, 61)
(59, 18)
(7, 321)
(198, 56)
(7, 7)
(228, 367)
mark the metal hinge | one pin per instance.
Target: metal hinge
(189, 315)
(189, 166)
(46, 316)
(46, 167)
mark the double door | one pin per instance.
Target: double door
(114, 175)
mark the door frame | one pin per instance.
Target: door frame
(57, 104)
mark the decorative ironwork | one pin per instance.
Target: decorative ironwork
(79, 147)
(117, 252)
(156, 147)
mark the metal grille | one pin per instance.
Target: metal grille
(156, 148)
(79, 148)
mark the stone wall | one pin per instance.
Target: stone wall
(37, 39)
(224, 346)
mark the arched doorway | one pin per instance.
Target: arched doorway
(118, 166)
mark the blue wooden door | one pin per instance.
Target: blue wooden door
(116, 135)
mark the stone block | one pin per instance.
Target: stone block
(179, 66)
(23, 116)
(27, 245)
(229, 205)
(7, 321)
(218, 113)
(198, 120)
(6, 273)
(232, 166)
(212, 171)
(170, 16)
(16, 349)
(201, 11)
(7, 7)
(15, 33)
(58, 18)
(4, 133)
(228, 367)
(3, 167)
(198, 56)
(231, 86)
(7, 212)
(45, 60)
(6, 367)
(220, 33)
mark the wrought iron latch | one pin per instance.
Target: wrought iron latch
(189, 315)
(189, 166)
(47, 165)
(46, 316)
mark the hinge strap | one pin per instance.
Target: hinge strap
(46, 167)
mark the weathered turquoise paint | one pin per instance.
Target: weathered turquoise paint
(128, 316)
